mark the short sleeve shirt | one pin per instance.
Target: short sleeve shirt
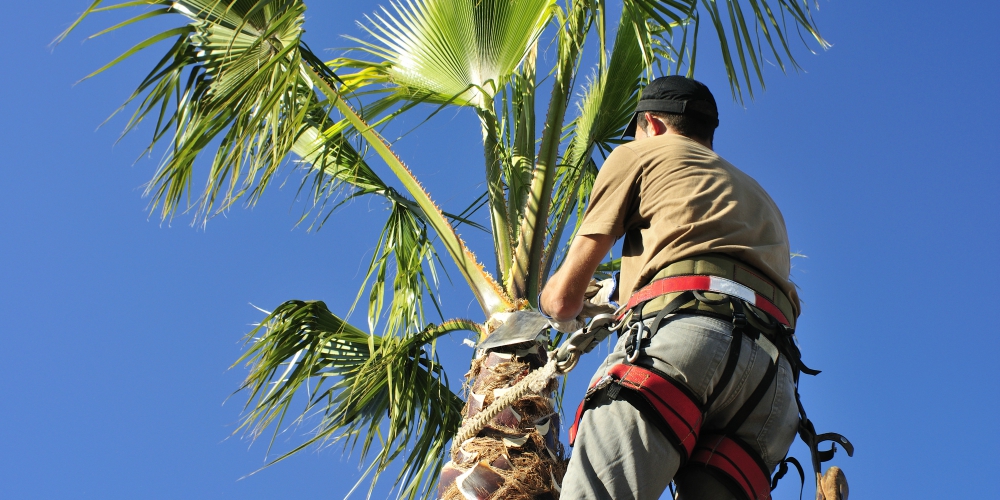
(671, 199)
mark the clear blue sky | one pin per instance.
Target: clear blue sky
(119, 330)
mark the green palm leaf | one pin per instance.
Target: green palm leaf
(459, 53)
(606, 107)
(232, 74)
(385, 391)
(739, 29)
(454, 52)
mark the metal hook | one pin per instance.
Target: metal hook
(640, 333)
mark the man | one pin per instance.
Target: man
(700, 388)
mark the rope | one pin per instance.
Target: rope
(535, 381)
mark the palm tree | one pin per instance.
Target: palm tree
(238, 80)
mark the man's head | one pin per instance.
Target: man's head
(682, 104)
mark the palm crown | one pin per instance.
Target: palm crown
(238, 84)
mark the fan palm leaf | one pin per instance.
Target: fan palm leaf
(453, 52)
(460, 53)
(232, 74)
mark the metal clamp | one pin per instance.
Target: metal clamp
(583, 341)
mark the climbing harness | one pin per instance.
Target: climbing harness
(760, 312)
(734, 461)
(706, 284)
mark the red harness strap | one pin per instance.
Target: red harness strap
(736, 461)
(723, 455)
(576, 420)
(677, 408)
(704, 283)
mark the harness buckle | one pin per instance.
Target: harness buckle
(739, 317)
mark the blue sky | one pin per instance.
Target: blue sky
(119, 330)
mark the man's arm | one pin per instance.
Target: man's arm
(562, 297)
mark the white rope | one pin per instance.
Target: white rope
(536, 382)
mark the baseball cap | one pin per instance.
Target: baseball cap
(674, 94)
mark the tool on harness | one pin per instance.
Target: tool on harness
(807, 432)
(773, 332)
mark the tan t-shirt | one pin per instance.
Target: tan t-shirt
(672, 199)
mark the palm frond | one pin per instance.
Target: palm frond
(526, 276)
(405, 244)
(517, 115)
(234, 71)
(606, 107)
(749, 33)
(232, 74)
(737, 38)
(488, 293)
(387, 393)
(454, 52)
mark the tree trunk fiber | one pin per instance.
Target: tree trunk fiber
(518, 455)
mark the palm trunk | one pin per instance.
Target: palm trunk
(518, 455)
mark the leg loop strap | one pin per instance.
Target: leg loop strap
(733, 461)
(665, 402)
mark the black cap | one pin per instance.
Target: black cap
(674, 94)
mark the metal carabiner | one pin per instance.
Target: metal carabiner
(640, 334)
(583, 341)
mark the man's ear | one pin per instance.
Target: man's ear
(656, 126)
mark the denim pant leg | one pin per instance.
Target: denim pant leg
(620, 454)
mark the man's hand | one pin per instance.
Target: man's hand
(602, 292)
(596, 301)
(591, 309)
(563, 296)
(569, 325)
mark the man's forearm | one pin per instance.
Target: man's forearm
(562, 297)
(558, 300)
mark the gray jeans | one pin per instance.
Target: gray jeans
(620, 454)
